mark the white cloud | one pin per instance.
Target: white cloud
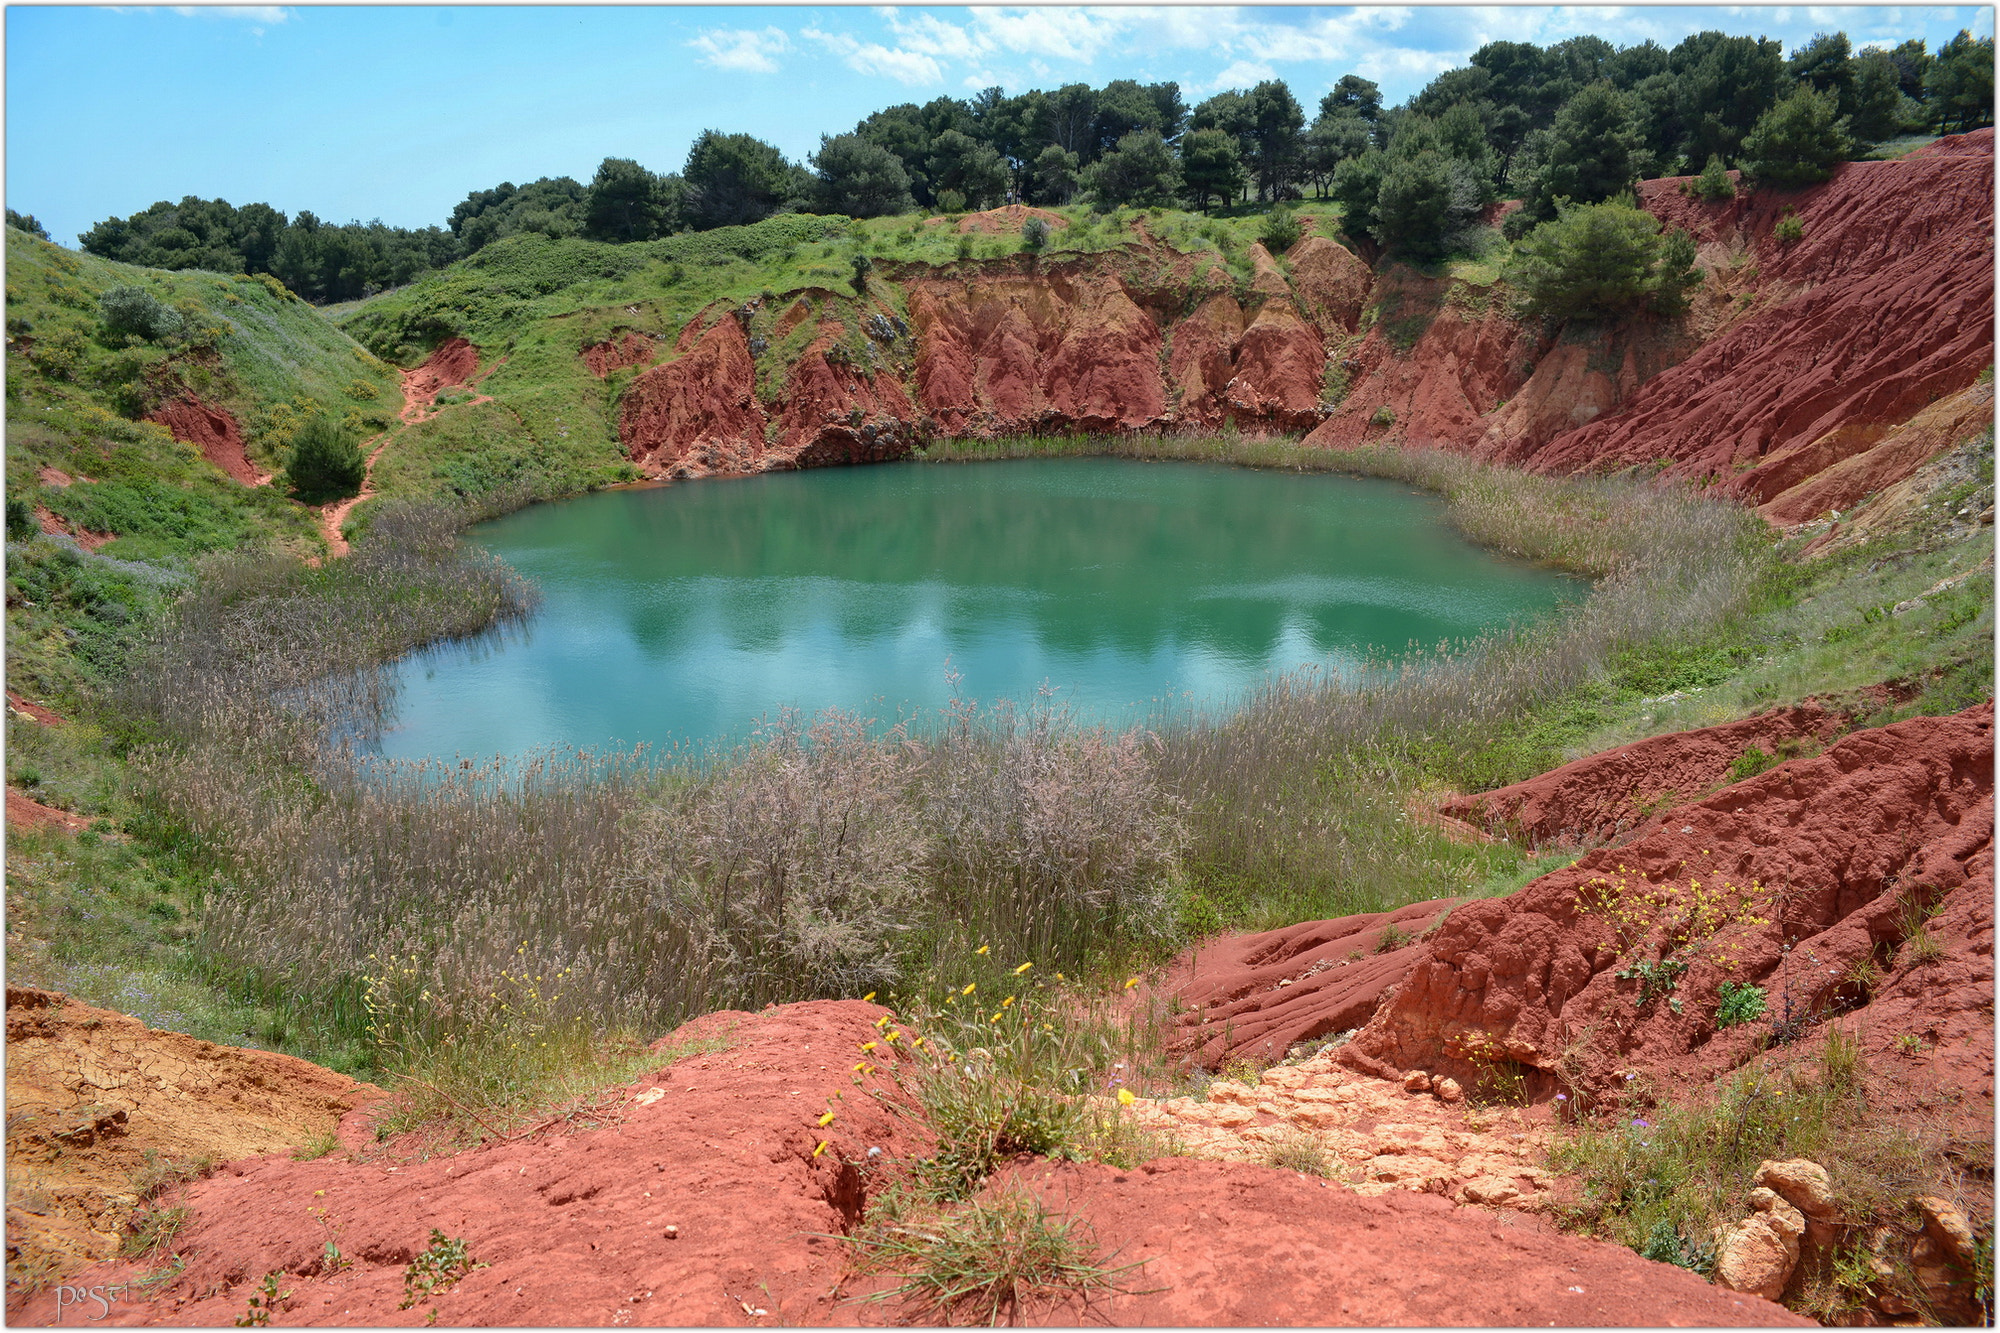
(1244, 74)
(1062, 34)
(264, 14)
(752, 50)
(932, 36)
(911, 68)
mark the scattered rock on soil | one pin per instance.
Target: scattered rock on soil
(1758, 1255)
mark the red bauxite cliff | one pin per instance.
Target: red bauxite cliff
(1806, 375)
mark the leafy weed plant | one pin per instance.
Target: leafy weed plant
(437, 1269)
(264, 1302)
(1740, 1003)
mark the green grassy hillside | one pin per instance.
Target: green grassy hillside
(78, 448)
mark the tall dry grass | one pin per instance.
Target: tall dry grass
(825, 856)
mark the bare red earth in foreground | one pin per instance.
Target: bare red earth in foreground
(711, 1204)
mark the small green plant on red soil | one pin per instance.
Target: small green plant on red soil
(319, 1145)
(979, 1261)
(1656, 977)
(1393, 937)
(266, 1300)
(1738, 1004)
(1299, 1151)
(1920, 947)
(1500, 1080)
(437, 1269)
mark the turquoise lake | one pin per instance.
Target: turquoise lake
(683, 613)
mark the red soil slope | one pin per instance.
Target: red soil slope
(24, 811)
(215, 432)
(1064, 349)
(451, 363)
(1834, 852)
(1246, 1246)
(710, 1203)
(699, 414)
(1006, 221)
(1604, 795)
(1256, 996)
(630, 349)
(1890, 307)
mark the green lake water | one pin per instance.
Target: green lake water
(684, 613)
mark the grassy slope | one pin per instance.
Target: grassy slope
(107, 915)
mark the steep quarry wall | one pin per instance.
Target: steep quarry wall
(1806, 375)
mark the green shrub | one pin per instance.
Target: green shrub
(1714, 182)
(1035, 235)
(326, 462)
(1790, 229)
(437, 1270)
(1740, 1003)
(1799, 141)
(977, 1263)
(1750, 763)
(1598, 261)
(136, 311)
(1281, 230)
(21, 523)
(28, 223)
(1665, 1245)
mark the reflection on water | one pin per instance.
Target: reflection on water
(686, 612)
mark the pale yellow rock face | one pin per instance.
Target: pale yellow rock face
(1415, 1134)
(1803, 1184)
(1758, 1254)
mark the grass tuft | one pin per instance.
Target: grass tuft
(985, 1260)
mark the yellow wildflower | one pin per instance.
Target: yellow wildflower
(982, 948)
(826, 1119)
(822, 1148)
(1022, 968)
(1130, 982)
(869, 996)
(970, 987)
(1125, 1097)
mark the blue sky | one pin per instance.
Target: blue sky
(398, 112)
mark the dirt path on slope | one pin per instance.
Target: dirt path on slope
(447, 367)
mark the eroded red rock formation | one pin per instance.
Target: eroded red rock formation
(1611, 794)
(629, 349)
(1805, 376)
(1791, 880)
